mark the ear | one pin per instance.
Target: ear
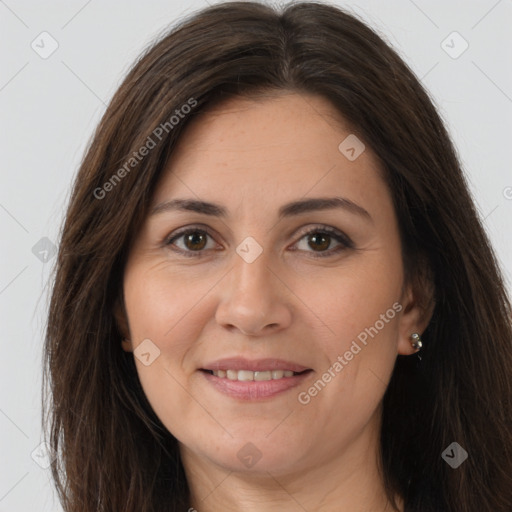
(418, 301)
(121, 319)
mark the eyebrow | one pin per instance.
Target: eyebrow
(288, 210)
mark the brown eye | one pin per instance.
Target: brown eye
(319, 240)
(193, 241)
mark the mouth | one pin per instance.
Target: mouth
(248, 375)
(253, 386)
(253, 379)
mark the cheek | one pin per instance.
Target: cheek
(163, 309)
(357, 313)
(159, 303)
(354, 299)
(357, 335)
(170, 308)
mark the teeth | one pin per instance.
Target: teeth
(246, 375)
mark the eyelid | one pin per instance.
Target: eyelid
(335, 233)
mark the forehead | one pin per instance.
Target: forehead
(282, 119)
(281, 146)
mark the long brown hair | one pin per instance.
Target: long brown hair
(114, 454)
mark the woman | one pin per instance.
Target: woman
(273, 291)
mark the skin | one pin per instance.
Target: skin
(252, 157)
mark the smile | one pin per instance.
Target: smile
(248, 375)
(251, 386)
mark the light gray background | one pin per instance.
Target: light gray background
(49, 108)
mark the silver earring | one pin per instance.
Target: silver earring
(416, 341)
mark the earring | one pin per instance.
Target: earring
(416, 341)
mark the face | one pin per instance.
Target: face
(318, 289)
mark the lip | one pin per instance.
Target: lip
(254, 390)
(256, 365)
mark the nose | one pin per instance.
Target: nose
(254, 299)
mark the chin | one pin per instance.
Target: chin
(251, 454)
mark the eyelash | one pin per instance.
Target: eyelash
(345, 241)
